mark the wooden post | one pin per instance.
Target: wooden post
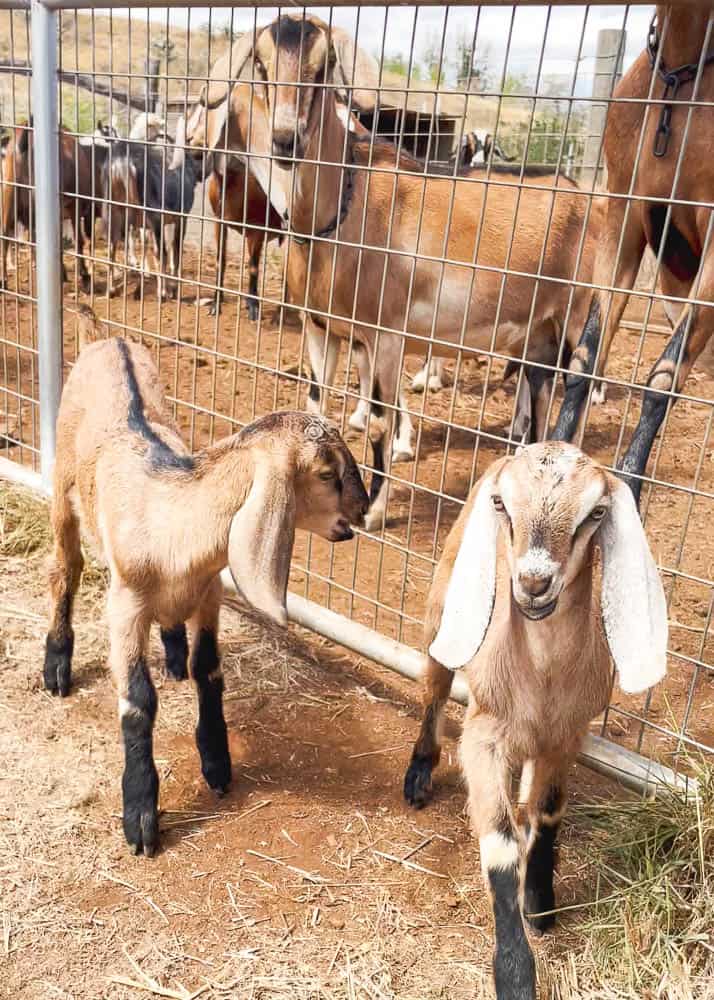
(608, 70)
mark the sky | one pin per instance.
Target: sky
(510, 39)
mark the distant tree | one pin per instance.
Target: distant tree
(515, 83)
(398, 65)
(473, 68)
(430, 58)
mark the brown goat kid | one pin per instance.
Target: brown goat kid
(242, 205)
(514, 602)
(79, 182)
(166, 522)
(685, 238)
(361, 182)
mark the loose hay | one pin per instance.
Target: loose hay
(24, 523)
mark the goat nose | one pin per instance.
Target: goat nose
(284, 143)
(535, 586)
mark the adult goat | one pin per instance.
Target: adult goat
(680, 49)
(384, 282)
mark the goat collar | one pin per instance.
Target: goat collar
(348, 184)
(673, 79)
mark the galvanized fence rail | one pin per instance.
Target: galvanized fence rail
(442, 74)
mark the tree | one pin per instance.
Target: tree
(473, 68)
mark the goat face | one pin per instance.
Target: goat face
(292, 55)
(549, 501)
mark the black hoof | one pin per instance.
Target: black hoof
(253, 311)
(214, 309)
(58, 665)
(141, 815)
(176, 651)
(417, 781)
(542, 920)
(217, 772)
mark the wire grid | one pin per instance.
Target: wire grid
(224, 370)
(19, 405)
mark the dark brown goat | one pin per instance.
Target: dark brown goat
(239, 202)
(681, 46)
(78, 184)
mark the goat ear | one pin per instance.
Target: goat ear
(471, 590)
(634, 609)
(260, 543)
(353, 68)
(231, 66)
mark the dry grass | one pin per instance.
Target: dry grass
(24, 526)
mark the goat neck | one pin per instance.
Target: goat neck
(318, 189)
(683, 37)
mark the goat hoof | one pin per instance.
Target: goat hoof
(403, 455)
(214, 309)
(58, 665)
(540, 906)
(435, 383)
(217, 772)
(417, 781)
(375, 520)
(253, 312)
(358, 421)
(141, 824)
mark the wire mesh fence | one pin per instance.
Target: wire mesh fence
(386, 212)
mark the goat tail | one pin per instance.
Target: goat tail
(89, 327)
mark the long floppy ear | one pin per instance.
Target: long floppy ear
(231, 66)
(354, 68)
(634, 610)
(472, 586)
(260, 543)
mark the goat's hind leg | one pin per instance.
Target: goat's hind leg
(436, 687)
(546, 805)
(323, 349)
(211, 732)
(175, 645)
(65, 571)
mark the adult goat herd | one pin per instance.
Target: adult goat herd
(396, 260)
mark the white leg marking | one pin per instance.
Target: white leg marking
(498, 852)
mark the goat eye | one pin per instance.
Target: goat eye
(327, 474)
(498, 504)
(597, 513)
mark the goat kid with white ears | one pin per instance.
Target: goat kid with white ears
(518, 602)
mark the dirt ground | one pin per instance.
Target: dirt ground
(292, 886)
(296, 884)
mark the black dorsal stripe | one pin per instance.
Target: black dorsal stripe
(161, 456)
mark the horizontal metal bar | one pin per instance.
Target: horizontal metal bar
(271, 5)
(628, 768)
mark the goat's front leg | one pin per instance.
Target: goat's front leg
(436, 687)
(360, 416)
(129, 636)
(546, 805)
(489, 779)
(254, 241)
(65, 572)
(211, 732)
(323, 350)
(387, 375)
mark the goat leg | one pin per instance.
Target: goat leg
(546, 805)
(489, 780)
(175, 645)
(211, 733)
(65, 573)
(255, 246)
(129, 635)
(436, 687)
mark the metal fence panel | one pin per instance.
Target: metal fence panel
(534, 84)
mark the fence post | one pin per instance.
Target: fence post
(608, 70)
(48, 229)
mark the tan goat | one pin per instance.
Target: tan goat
(166, 522)
(365, 192)
(514, 601)
(681, 47)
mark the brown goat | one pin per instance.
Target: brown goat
(367, 193)
(78, 184)
(166, 522)
(513, 602)
(240, 204)
(681, 43)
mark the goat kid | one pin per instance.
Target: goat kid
(166, 522)
(681, 231)
(513, 601)
(299, 124)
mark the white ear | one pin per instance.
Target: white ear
(354, 68)
(472, 586)
(634, 610)
(260, 543)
